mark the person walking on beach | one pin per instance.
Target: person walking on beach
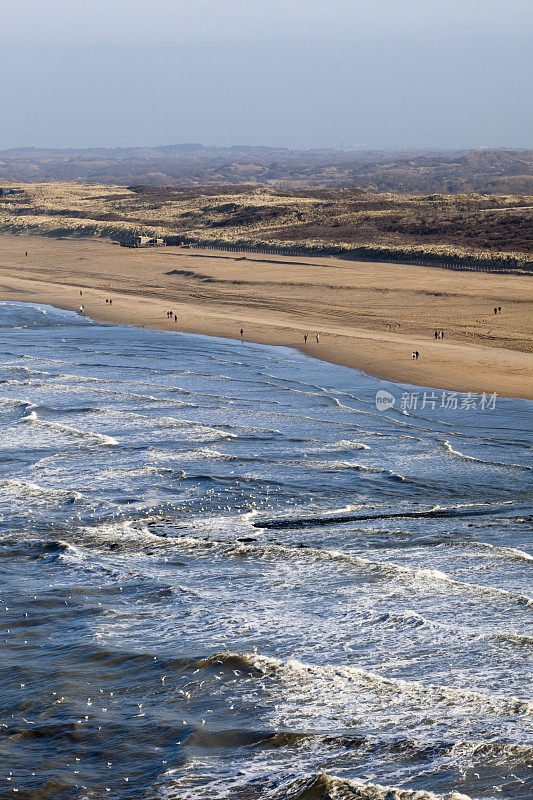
(317, 338)
(242, 333)
(175, 317)
(413, 355)
(499, 309)
(305, 338)
(495, 310)
(26, 253)
(436, 334)
(416, 354)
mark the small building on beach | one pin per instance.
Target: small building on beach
(143, 241)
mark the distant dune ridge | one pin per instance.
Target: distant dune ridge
(487, 171)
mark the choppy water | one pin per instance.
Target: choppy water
(225, 574)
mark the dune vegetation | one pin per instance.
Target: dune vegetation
(468, 230)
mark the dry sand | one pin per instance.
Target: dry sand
(369, 315)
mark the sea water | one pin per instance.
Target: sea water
(226, 574)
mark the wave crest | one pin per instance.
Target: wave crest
(95, 438)
(321, 786)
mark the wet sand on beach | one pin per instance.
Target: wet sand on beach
(370, 316)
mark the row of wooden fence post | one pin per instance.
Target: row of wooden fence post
(357, 257)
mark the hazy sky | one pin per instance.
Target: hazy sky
(298, 73)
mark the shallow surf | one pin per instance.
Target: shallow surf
(227, 574)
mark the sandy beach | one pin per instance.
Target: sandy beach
(369, 316)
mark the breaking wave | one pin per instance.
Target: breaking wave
(29, 489)
(93, 438)
(332, 678)
(321, 786)
(458, 453)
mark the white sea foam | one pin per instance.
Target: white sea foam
(93, 438)
(501, 551)
(425, 578)
(23, 370)
(308, 787)
(345, 444)
(324, 680)
(32, 490)
(198, 428)
(265, 777)
(11, 401)
(458, 453)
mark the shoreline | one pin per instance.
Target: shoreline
(369, 316)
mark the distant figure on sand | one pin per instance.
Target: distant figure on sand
(416, 354)
(499, 309)
(81, 292)
(436, 334)
(26, 252)
(413, 354)
(81, 309)
(242, 333)
(317, 338)
(175, 317)
(495, 310)
(305, 338)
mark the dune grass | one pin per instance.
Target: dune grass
(470, 231)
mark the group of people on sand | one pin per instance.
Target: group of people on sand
(172, 316)
(306, 335)
(81, 309)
